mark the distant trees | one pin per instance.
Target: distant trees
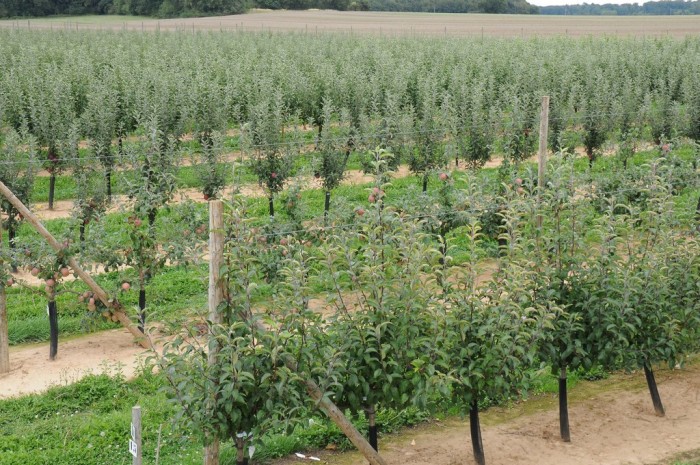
(665, 7)
(173, 8)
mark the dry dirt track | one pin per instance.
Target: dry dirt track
(612, 423)
(393, 24)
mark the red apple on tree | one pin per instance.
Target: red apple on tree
(126, 286)
(35, 271)
(443, 176)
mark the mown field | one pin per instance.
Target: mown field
(390, 24)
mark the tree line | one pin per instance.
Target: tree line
(666, 7)
(190, 8)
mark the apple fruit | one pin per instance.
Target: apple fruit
(137, 222)
(443, 176)
(360, 211)
(126, 286)
(50, 282)
(273, 175)
(65, 271)
(10, 282)
(35, 271)
(371, 198)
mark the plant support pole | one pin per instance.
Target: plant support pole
(114, 305)
(542, 154)
(563, 407)
(216, 296)
(4, 333)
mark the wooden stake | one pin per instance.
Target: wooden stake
(542, 154)
(4, 333)
(216, 296)
(113, 305)
(136, 433)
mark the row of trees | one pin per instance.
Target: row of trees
(615, 287)
(422, 101)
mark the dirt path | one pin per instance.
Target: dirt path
(612, 423)
(107, 351)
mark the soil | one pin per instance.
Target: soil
(31, 371)
(612, 423)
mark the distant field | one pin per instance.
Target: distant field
(429, 24)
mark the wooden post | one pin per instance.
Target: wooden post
(542, 154)
(136, 435)
(113, 305)
(216, 296)
(4, 333)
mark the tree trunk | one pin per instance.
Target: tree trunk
(372, 420)
(563, 407)
(475, 429)
(653, 390)
(53, 327)
(697, 214)
(142, 310)
(82, 233)
(52, 189)
(271, 201)
(240, 452)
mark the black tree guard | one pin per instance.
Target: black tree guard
(475, 428)
(271, 201)
(327, 205)
(425, 182)
(52, 189)
(108, 179)
(142, 310)
(372, 420)
(53, 329)
(653, 390)
(563, 408)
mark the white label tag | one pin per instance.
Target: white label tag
(133, 450)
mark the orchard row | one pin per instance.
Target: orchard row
(581, 280)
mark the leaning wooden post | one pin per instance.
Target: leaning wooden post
(216, 296)
(4, 332)
(542, 154)
(112, 304)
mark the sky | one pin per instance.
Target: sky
(578, 2)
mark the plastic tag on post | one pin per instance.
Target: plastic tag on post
(133, 432)
(133, 448)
